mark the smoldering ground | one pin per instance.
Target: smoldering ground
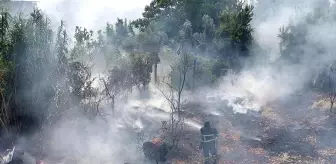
(283, 86)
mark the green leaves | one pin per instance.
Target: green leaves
(236, 25)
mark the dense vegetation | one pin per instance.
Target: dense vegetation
(43, 70)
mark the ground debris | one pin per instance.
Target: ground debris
(226, 148)
(257, 151)
(327, 152)
(230, 136)
(285, 158)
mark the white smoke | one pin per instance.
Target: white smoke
(102, 141)
(92, 14)
(258, 85)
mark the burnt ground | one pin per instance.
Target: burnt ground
(288, 131)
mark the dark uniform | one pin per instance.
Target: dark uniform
(208, 143)
(156, 150)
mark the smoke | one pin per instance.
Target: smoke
(271, 15)
(260, 84)
(110, 139)
(76, 138)
(92, 14)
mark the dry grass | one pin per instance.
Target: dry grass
(270, 114)
(230, 142)
(321, 104)
(285, 158)
(311, 139)
(230, 136)
(258, 151)
(272, 118)
(328, 152)
(226, 148)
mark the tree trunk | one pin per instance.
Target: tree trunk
(194, 74)
(113, 105)
(179, 105)
(331, 106)
(155, 72)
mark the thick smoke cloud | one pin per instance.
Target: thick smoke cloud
(260, 84)
(91, 14)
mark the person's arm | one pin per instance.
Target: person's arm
(215, 132)
(201, 143)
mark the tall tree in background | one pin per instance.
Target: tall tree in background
(80, 61)
(151, 43)
(6, 89)
(235, 27)
(61, 72)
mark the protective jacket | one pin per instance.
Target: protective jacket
(208, 134)
(208, 144)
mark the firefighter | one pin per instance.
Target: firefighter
(156, 150)
(208, 143)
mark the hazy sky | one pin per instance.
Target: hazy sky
(92, 13)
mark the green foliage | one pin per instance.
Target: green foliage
(141, 69)
(6, 64)
(220, 68)
(296, 46)
(236, 26)
(119, 80)
(80, 81)
(217, 27)
(180, 70)
(32, 59)
(62, 48)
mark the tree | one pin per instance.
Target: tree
(175, 88)
(235, 25)
(121, 31)
(62, 50)
(79, 75)
(330, 87)
(5, 71)
(151, 42)
(119, 81)
(204, 41)
(141, 67)
(291, 40)
(185, 36)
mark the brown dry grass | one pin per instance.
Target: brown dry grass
(272, 117)
(322, 104)
(284, 158)
(230, 136)
(258, 151)
(327, 152)
(230, 139)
